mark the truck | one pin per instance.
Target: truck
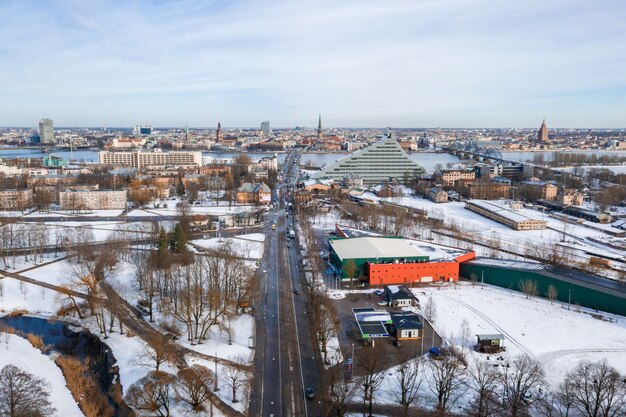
(292, 234)
(273, 226)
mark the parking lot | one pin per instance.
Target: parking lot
(349, 334)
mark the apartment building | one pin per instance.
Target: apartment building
(449, 177)
(16, 199)
(140, 159)
(539, 189)
(92, 200)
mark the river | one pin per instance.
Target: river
(427, 159)
(69, 340)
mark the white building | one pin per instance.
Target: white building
(156, 157)
(92, 200)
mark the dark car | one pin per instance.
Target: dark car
(310, 394)
(296, 290)
(379, 292)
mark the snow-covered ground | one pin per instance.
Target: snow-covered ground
(19, 352)
(574, 237)
(18, 295)
(552, 333)
(247, 246)
(242, 329)
(616, 169)
(206, 207)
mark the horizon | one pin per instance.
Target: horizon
(462, 64)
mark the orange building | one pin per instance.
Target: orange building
(416, 272)
(394, 260)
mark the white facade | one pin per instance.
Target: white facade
(140, 159)
(92, 200)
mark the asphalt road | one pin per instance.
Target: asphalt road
(286, 361)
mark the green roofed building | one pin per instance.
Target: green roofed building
(350, 255)
(375, 164)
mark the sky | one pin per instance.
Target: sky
(360, 63)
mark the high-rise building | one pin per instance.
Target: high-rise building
(376, 164)
(265, 128)
(142, 130)
(542, 136)
(319, 128)
(46, 131)
(219, 135)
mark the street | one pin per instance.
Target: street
(286, 360)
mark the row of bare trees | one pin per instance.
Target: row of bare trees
(514, 389)
(199, 293)
(193, 386)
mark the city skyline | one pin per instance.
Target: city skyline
(447, 64)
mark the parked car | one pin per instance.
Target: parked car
(383, 303)
(310, 394)
(379, 292)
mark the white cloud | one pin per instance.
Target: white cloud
(359, 62)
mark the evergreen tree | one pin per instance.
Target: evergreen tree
(177, 240)
(162, 242)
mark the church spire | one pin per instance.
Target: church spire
(319, 128)
(218, 134)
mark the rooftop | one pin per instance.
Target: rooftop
(374, 247)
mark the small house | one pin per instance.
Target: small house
(489, 343)
(399, 296)
(406, 325)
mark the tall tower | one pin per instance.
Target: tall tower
(319, 128)
(187, 132)
(219, 136)
(542, 136)
(46, 131)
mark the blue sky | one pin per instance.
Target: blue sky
(361, 63)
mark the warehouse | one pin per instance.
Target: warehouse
(505, 215)
(379, 261)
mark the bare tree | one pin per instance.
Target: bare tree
(193, 386)
(236, 378)
(552, 293)
(371, 363)
(430, 309)
(446, 379)
(528, 287)
(151, 395)
(155, 352)
(338, 391)
(484, 381)
(518, 381)
(408, 380)
(596, 390)
(23, 394)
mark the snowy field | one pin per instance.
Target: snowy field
(616, 169)
(247, 246)
(576, 237)
(206, 207)
(550, 332)
(21, 353)
(17, 295)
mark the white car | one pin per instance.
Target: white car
(383, 303)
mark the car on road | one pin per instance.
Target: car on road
(310, 394)
(296, 290)
(383, 303)
(379, 292)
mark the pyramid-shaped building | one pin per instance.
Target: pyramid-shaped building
(378, 163)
